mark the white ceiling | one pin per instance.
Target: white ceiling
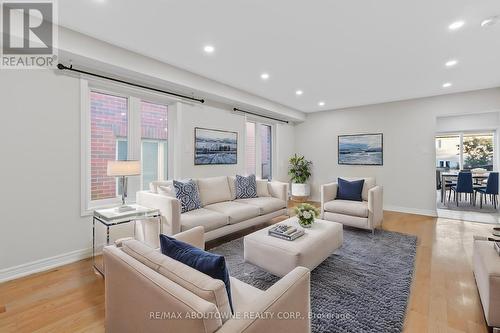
(345, 53)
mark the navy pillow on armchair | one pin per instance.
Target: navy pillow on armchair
(211, 264)
(350, 190)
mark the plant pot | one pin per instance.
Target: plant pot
(300, 190)
(306, 224)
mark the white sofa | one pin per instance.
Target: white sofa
(221, 212)
(147, 291)
(367, 214)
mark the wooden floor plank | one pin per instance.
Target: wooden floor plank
(443, 298)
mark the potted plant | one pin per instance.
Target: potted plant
(300, 171)
(306, 214)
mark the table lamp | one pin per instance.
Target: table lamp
(123, 169)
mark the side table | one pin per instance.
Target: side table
(110, 217)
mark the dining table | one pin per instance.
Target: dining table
(477, 177)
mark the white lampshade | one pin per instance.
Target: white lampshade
(124, 168)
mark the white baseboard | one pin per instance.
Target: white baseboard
(417, 211)
(41, 265)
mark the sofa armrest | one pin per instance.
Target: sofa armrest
(194, 236)
(147, 231)
(328, 192)
(375, 206)
(278, 190)
(291, 294)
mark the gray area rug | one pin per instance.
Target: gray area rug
(363, 287)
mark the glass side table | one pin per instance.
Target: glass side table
(110, 217)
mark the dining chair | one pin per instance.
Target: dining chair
(464, 185)
(490, 189)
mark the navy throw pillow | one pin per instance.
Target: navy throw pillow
(187, 193)
(350, 190)
(211, 264)
(246, 187)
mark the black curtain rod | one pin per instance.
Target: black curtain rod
(260, 115)
(70, 68)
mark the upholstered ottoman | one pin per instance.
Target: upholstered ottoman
(486, 263)
(279, 256)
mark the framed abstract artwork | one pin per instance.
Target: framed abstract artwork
(361, 149)
(212, 147)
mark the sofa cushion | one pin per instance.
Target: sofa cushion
(236, 211)
(200, 284)
(213, 190)
(246, 187)
(187, 193)
(206, 218)
(266, 204)
(262, 189)
(350, 190)
(347, 207)
(243, 294)
(368, 185)
(208, 263)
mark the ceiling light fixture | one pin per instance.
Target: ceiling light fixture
(299, 92)
(209, 49)
(456, 25)
(264, 76)
(447, 85)
(451, 63)
(321, 103)
(489, 21)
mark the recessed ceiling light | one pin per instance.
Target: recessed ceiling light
(123, 114)
(489, 21)
(299, 92)
(456, 25)
(264, 76)
(321, 103)
(209, 49)
(447, 85)
(451, 63)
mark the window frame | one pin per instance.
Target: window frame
(134, 97)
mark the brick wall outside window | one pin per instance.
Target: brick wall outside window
(108, 121)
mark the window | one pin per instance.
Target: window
(250, 149)
(448, 152)
(465, 151)
(265, 151)
(258, 150)
(154, 154)
(121, 126)
(109, 132)
(478, 151)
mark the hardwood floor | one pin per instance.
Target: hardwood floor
(444, 296)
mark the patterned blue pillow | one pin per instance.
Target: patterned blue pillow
(187, 193)
(246, 187)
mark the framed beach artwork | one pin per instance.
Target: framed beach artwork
(212, 147)
(361, 149)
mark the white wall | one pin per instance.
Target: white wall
(468, 122)
(40, 169)
(190, 116)
(409, 127)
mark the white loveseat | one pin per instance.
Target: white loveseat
(221, 212)
(147, 291)
(366, 214)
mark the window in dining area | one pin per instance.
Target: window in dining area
(465, 151)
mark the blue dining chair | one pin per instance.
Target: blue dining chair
(490, 189)
(464, 185)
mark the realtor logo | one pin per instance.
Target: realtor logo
(29, 34)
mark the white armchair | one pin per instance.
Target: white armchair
(366, 214)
